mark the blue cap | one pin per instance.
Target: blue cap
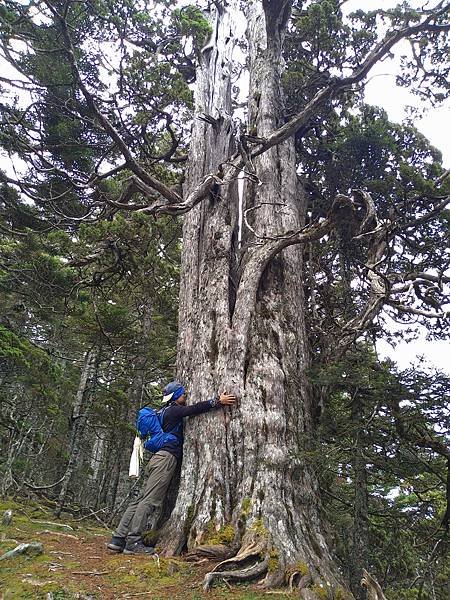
(173, 391)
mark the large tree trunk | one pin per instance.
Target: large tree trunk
(242, 329)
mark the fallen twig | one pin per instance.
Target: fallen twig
(90, 572)
(63, 525)
(227, 584)
(91, 514)
(102, 523)
(36, 582)
(67, 535)
(42, 487)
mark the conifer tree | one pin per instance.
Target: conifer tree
(107, 131)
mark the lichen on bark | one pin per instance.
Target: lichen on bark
(242, 467)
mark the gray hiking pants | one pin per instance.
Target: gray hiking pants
(160, 470)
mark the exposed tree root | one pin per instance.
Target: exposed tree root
(254, 562)
(299, 581)
(252, 545)
(254, 548)
(211, 552)
(374, 591)
(273, 579)
(252, 572)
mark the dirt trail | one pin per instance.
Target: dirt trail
(76, 564)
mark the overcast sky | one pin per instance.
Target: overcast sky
(382, 91)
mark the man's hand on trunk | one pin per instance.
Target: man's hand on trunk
(227, 399)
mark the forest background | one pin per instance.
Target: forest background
(90, 279)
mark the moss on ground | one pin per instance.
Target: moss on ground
(76, 561)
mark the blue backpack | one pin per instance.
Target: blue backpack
(149, 427)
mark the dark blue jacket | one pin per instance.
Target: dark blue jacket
(173, 419)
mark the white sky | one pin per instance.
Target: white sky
(382, 91)
(423, 353)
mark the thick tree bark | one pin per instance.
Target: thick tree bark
(242, 329)
(205, 298)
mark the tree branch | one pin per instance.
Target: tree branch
(340, 85)
(424, 218)
(131, 162)
(417, 311)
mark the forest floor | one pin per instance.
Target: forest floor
(76, 564)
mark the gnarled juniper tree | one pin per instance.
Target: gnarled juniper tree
(101, 122)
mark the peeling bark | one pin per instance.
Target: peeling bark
(206, 485)
(247, 467)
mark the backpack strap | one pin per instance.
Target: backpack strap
(160, 414)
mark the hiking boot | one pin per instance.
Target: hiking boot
(117, 544)
(138, 548)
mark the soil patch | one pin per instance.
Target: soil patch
(77, 564)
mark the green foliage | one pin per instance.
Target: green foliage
(64, 291)
(402, 172)
(405, 479)
(190, 21)
(10, 346)
(33, 362)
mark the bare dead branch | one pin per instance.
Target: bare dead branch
(443, 177)
(184, 206)
(371, 216)
(418, 311)
(413, 278)
(373, 587)
(41, 487)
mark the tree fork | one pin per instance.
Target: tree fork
(245, 466)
